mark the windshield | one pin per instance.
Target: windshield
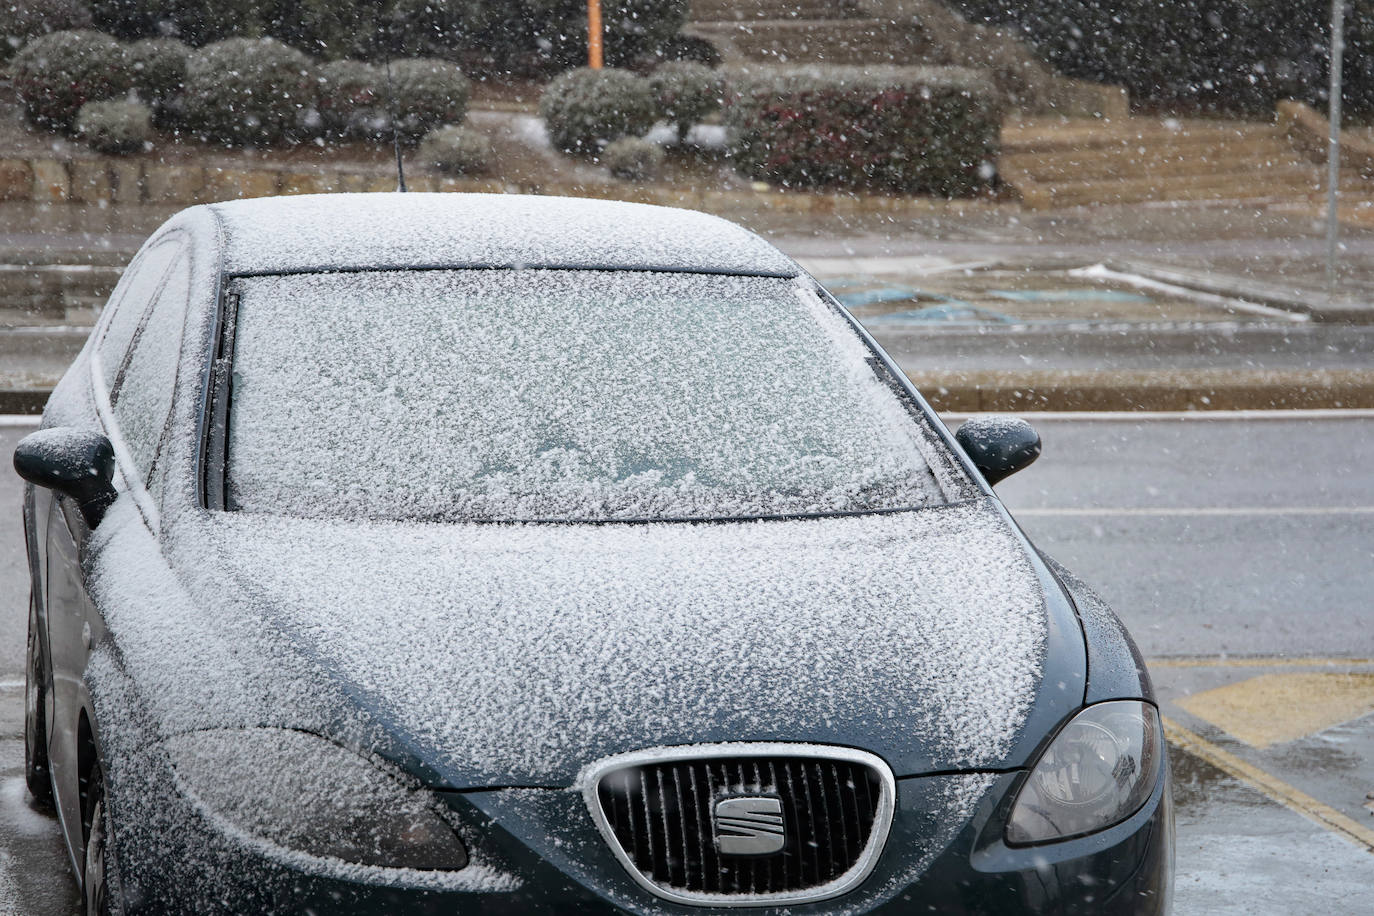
(502, 395)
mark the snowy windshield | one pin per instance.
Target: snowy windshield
(567, 395)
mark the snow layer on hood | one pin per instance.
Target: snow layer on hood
(517, 654)
(371, 230)
(568, 395)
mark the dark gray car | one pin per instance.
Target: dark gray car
(457, 553)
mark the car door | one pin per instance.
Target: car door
(130, 362)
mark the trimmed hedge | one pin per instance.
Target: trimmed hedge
(157, 68)
(115, 127)
(21, 21)
(56, 74)
(247, 91)
(428, 94)
(686, 93)
(910, 130)
(351, 100)
(632, 158)
(583, 110)
(455, 151)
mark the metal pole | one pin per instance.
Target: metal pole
(594, 52)
(1333, 155)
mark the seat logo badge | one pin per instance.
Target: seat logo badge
(749, 825)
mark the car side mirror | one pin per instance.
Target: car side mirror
(999, 446)
(74, 462)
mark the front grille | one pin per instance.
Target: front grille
(678, 840)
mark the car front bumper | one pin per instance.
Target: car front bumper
(537, 850)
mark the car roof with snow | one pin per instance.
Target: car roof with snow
(370, 231)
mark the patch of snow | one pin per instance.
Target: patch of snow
(1103, 273)
(370, 230)
(560, 395)
(702, 136)
(513, 655)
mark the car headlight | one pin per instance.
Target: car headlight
(1096, 772)
(309, 795)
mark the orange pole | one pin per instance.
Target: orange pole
(594, 53)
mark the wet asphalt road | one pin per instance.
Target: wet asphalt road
(1240, 552)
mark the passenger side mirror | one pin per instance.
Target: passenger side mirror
(999, 446)
(74, 462)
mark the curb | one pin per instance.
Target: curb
(1200, 390)
(1076, 391)
(1302, 302)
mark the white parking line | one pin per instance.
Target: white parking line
(1102, 272)
(1091, 511)
(19, 419)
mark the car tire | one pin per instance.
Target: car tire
(95, 885)
(35, 716)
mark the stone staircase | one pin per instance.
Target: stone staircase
(903, 32)
(1053, 162)
(808, 31)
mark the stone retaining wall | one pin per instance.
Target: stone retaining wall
(1310, 132)
(110, 181)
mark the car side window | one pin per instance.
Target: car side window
(142, 391)
(133, 297)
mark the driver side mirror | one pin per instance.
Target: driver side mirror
(74, 462)
(999, 446)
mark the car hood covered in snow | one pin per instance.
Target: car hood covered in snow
(514, 655)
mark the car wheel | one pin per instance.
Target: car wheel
(35, 717)
(95, 890)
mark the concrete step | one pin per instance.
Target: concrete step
(1039, 168)
(55, 291)
(852, 41)
(1037, 196)
(744, 10)
(1085, 134)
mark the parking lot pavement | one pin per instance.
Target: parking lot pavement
(1237, 548)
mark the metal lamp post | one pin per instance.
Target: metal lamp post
(1333, 154)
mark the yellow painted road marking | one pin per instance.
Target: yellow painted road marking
(1276, 708)
(1259, 661)
(1292, 798)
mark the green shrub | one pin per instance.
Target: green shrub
(157, 68)
(115, 127)
(911, 130)
(351, 99)
(455, 150)
(686, 93)
(584, 109)
(57, 73)
(21, 21)
(245, 91)
(633, 158)
(428, 94)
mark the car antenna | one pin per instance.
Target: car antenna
(395, 130)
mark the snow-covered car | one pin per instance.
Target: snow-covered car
(482, 554)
